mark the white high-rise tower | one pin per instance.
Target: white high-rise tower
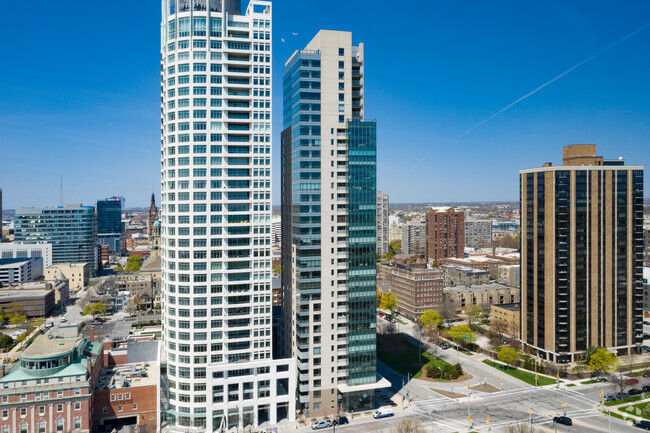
(216, 218)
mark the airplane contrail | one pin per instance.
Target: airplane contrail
(576, 66)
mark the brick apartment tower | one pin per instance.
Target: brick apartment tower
(581, 255)
(445, 229)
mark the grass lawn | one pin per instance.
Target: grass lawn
(625, 400)
(404, 358)
(587, 382)
(520, 374)
(571, 384)
(636, 409)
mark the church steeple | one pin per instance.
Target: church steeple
(152, 216)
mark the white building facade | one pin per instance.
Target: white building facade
(382, 223)
(216, 218)
(27, 251)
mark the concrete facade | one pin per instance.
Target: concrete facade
(485, 295)
(510, 275)
(455, 275)
(23, 251)
(78, 274)
(382, 223)
(414, 238)
(20, 270)
(478, 232)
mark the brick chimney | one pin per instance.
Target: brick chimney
(92, 333)
(89, 365)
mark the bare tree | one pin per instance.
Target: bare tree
(521, 428)
(409, 425)
(447, 310)
(388, 328)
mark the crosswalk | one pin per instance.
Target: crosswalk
(505, 408)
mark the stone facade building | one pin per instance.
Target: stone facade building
(485, 295)
(416, 289)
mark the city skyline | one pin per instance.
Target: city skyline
(472, 62)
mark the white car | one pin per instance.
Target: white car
(321, 424)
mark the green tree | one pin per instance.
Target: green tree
(388, 302)
(463, 333)
(507, 355)
(94, 309)
(277, 269)
(473, 312)
(6, 341)
(603, 360)
(118, 269)
(39, 322)
(379, 295)
(16, 320)
(15, 310)
(133, 264)
(430, 319)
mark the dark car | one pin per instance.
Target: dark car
(645, 425)
(646, 388)
(635, 391)
(562, 420)
(620, 396)
(341, 421)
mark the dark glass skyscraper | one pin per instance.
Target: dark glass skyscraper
(582, 255)
(109, 223)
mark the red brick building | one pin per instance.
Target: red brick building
(50, 389)
(127, 393)
(445, 232)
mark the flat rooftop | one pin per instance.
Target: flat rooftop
(44, 347)
(127, 376)
(510, 307)
(479, 288)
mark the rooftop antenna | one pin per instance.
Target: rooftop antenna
(61, 191)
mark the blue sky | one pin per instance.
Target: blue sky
(79, 92)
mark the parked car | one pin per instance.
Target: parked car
(609, 397)
(383, 412)
(342, 420)
(63, 320)
(646, 374)
(562, 420)
(620, 396)
(321, 425)
(635, 391)
(645, 425)
(646, 388)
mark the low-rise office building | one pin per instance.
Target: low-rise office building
(50, 388)
(456, 275)
(485, 295)
(78, 274)
(37, 299)
(20, 270)
(416, 289)
(509, 315)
